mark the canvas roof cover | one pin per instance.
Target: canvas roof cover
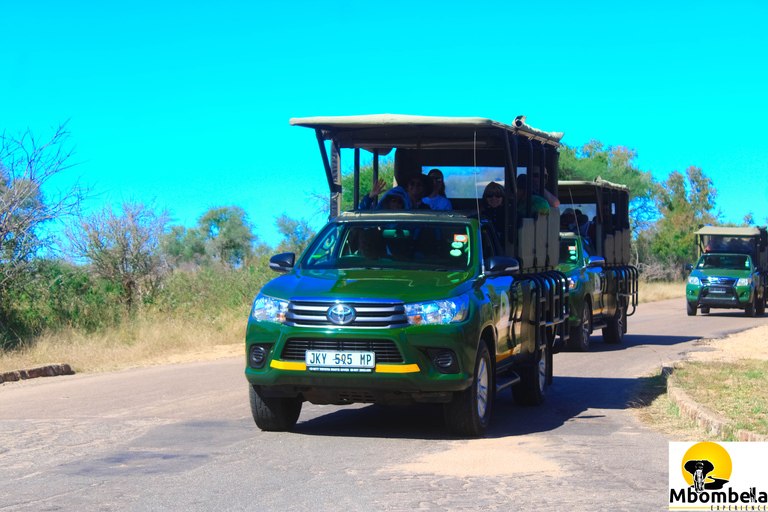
(726, 231)
(362, 122)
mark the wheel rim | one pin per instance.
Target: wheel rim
(482, 389)
(542, 370)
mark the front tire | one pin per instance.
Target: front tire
(469, 412)
(690, 308)
(578, 341)
(531, 390)
(750, 309)
(277, 414)
(613, 332)
(760, 307)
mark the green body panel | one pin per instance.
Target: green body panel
(586, 283)
(596, 286)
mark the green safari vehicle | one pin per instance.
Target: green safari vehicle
(397, 307)
(730, 272)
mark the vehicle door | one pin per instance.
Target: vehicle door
(501, 292)
(595, 276)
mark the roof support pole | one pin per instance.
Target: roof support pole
(375, 172)
(326, 165)
(542, 165)
(357, 179)
(510, 188)
(335, 175)
(529, 187)
(553, 170)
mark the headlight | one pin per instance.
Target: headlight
(694, 280)
(744, 281)
(267, 309)
(573, 282)
(439, 312)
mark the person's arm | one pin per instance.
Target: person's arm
(367, 202)
(551, 199)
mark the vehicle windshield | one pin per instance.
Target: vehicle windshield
(723, 262)
(406, 245)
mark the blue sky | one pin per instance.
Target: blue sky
(188, 102)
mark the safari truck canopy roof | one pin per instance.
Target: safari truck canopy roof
(378, 126)
(726, 231)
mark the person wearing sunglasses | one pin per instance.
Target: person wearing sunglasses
(437, 199)
(492, 206)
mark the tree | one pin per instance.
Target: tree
(123, 247)
(685, 203)
(182, 245)
(227, 234)
(27, 202)
(296, 234)
(617, 165)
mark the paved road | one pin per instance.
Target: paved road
(180, 437)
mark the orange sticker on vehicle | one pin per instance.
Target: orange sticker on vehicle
(460, 238)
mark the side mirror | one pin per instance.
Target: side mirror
(501, 266)
(688, 267)
(596, 261)
(282, 262)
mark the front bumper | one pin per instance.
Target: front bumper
(413, 379)
(734, 297)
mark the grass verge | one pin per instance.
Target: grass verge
(656, 291)
(736, 391)
(152, 340)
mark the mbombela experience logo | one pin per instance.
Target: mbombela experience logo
(707, 468)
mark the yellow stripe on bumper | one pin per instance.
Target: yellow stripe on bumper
(397, 368)
(285, 365)
(380, 368)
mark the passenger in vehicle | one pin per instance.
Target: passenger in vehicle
(437, 199)
(395, 199)
(567, 219)
(539, 205)
(367, 202)
(492, 206)
(418, 187)
(553, 201)
(371, 244)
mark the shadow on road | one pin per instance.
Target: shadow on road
(635, 340)
(568, 399)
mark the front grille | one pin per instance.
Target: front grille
(718, 281)
(385, 350)
(368, 314)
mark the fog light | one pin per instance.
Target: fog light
(257, 356)
(445, 360)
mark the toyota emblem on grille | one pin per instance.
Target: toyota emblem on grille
(714, 279)
(341, 314)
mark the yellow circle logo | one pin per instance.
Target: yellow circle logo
(706, 466)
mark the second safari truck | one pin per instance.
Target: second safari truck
(397, 307)
(595, 254)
